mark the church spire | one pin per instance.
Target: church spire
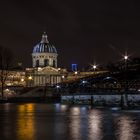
(44, 38)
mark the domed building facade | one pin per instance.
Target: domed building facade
(44, 69)
(44, 54)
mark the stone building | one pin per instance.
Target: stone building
(44, 65)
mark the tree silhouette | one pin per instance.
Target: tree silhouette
(6, 58)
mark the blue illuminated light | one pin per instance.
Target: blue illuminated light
(74, 67)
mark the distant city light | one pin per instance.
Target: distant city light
(9, 84)
(125, 57)
(63, 76)
(74, 67)
(108, 78)
(75, 72)
(39, 69)
(94, 67)
(7, 90)
(84, 82)
(30, 77)
(57, 86)
(22, 80)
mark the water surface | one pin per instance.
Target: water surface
(33, 121)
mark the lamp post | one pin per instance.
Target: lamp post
(63, 77)
(94, 68)
(76, 73)
(125, 59)
(124, 96)
(30, 79)
(22, 80)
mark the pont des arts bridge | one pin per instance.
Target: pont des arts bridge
(103, 89)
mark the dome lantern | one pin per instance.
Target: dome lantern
(44, 38)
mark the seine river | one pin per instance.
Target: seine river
(35, 121)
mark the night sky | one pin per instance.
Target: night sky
(82, 31)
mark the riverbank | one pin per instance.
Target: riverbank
(55, 100)
(31, 100)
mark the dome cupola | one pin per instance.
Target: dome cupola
(44, 46)
(44, 53)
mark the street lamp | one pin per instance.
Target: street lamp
(125, 57)
(75, 72)
(124, 96)
(22, 80)
(63, 76)
(94, 67)
(30, 79)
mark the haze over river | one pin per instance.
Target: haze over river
(40, 121)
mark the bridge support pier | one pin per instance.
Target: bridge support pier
(124, 101)
(92, 101)
(73, 99)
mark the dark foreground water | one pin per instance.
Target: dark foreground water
(62, 122)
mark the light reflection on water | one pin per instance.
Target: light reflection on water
(75, 123)
(63, 122)
(127, 127)
(25, 122)
(94, 123)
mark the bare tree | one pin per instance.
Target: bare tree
(5, 64)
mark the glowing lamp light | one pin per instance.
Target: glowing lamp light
(39, 69)
(9, 84)
(57, 86)
(125, 57)
(7, 90)
(22, 80)
(84, 82)
(63, 76)
(108, 78)
(30, 77)
(94, 66)
(75, 72)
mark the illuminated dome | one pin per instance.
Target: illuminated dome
(44, 46)
(44, 54)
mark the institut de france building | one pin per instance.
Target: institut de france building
(44, 64)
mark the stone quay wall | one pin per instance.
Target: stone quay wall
(101, 99)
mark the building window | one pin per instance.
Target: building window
(53, 63)
(37, 63)
(46, 62)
